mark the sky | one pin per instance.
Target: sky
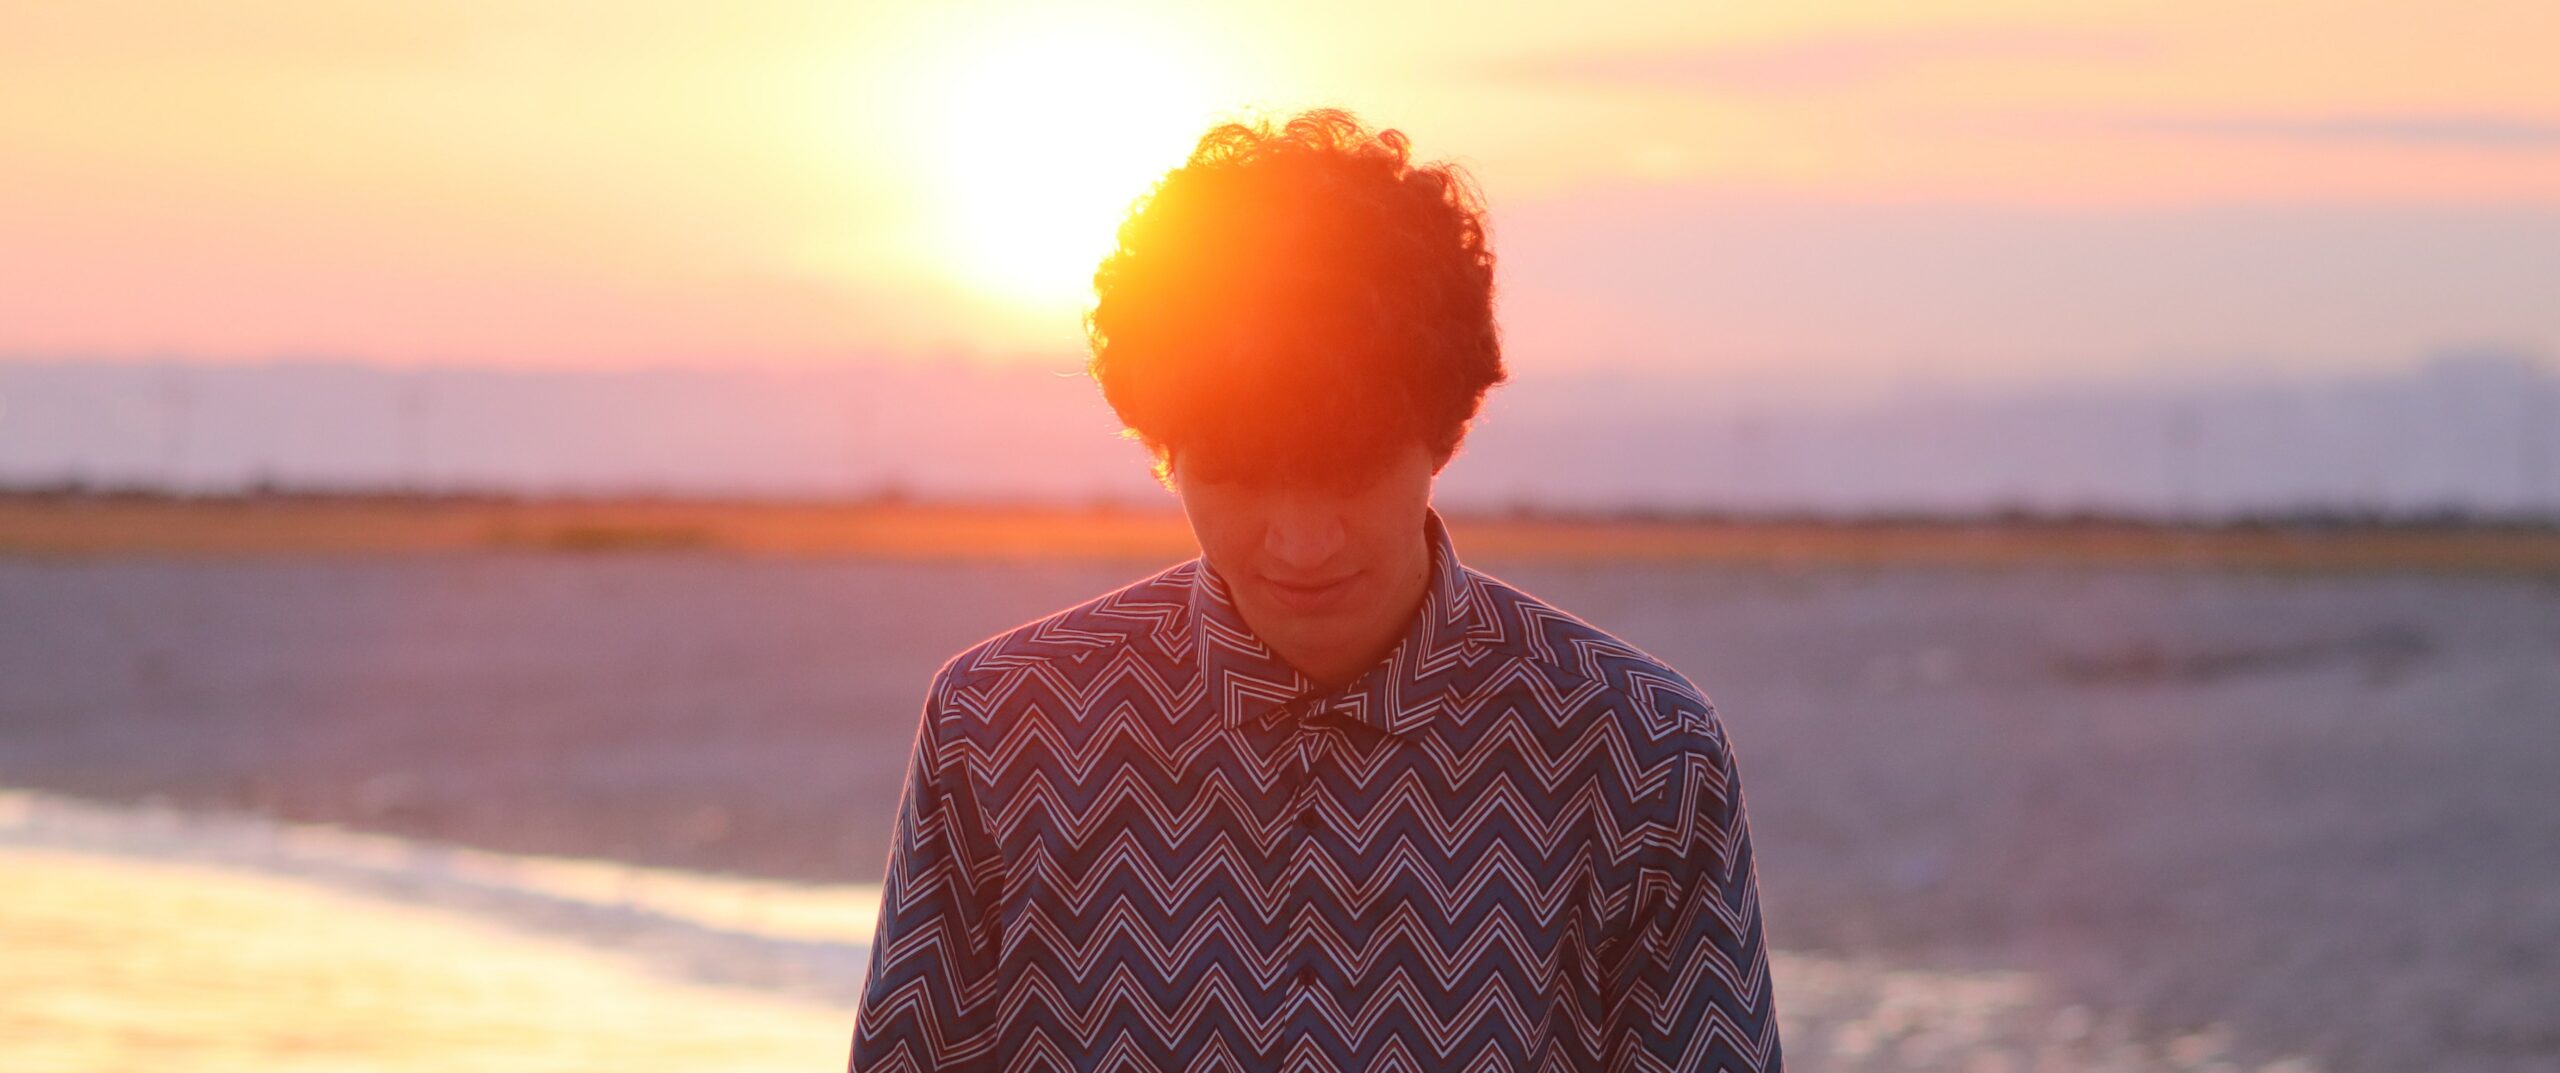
(1820, 191)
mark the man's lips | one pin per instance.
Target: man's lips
(1310, 594)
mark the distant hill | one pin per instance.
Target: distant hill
(2465, 431)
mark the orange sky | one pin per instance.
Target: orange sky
(588, 183)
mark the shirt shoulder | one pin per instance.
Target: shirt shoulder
(1662, 706)
(1147, 618)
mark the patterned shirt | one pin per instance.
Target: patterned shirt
(1134, 839)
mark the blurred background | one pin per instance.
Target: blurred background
(483, 487)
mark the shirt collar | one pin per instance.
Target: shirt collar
(1399, 695)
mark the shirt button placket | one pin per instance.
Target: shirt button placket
(1306, 797)
(1310, 742)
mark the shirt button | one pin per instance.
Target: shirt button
(1306, 977)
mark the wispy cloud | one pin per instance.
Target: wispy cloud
(2452, 131)
(1826, 61)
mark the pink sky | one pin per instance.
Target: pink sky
(1811, 189)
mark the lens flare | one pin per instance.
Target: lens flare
(1048, 133)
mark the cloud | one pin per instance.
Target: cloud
(1826, 61)
(2450, 131)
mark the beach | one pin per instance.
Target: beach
(2036, 817)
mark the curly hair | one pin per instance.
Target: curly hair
(1297, 302)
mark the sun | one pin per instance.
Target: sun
(1046, 135)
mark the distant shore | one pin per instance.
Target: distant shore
(90, 524)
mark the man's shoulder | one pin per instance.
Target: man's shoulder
(1669, 706)
(1147, 614)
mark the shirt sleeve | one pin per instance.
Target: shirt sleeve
(931, 987)
(1693, 991)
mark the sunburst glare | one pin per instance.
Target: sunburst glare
(1047, 135)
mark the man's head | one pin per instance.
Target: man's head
(1298, 324)
(1300, 300)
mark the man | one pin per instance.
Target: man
(1323, 798)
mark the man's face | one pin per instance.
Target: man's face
(1323, 574)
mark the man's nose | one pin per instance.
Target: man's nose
(1304, 535)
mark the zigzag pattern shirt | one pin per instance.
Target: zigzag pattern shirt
(1134, 839)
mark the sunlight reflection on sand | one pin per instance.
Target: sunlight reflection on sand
(144, 937)
(840, 913)
(121, 964)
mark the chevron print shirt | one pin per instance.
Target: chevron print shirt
(1133, 839)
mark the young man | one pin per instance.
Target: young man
(1323, 798)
